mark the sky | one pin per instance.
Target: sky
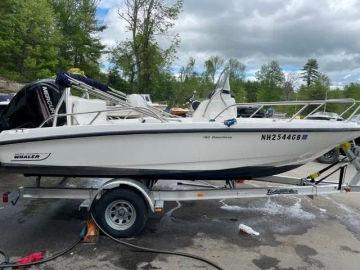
(258, 31)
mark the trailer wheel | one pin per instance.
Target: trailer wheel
(121, 213)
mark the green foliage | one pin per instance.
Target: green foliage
(271, 74)
(317, 84)
(139, 59)
(81, 46)
(316, 91)
(237, 69)
(28, 39)
(291, 80)
(189, 80)
(188, 72)
(116, 81)
(319, 90)
(237, 76)
(212, 66)
(352, 91)
(181, 90)
(37, 38)
(252, 88)
(271, 80)
(238, 89)
(310, 72)
(335, 94)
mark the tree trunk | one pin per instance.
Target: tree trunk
(135, 41)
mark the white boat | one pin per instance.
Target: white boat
(78, 139)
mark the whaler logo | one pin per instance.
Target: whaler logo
(30, 156)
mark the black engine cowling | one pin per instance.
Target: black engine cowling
(34, 103)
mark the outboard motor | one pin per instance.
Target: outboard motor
(33, 104)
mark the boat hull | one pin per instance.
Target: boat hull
(166, 151)
(83, 171)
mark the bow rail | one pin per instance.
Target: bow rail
(353, 106)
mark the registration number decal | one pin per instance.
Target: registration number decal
(283, 137)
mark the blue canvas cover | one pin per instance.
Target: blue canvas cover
(62, 79)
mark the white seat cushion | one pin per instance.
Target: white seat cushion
(80, 105)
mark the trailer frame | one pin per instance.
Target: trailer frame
(154, 199)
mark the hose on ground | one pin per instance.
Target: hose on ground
(158, 251)
(135, 248)
(7, 264)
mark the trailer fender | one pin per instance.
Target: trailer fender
(125, 182)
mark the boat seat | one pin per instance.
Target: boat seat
(137, 100)
(80, 105)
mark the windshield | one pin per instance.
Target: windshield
(326, 114)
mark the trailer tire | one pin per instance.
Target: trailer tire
(121, 213)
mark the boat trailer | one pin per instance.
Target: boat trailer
(121, 206)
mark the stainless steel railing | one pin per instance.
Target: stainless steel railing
(353, 105)
(141, 110)
(115, 96)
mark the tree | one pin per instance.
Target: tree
(310, 71)
(271, 80)
(324, 79)
(252, 88)
(188, 82)
(271, 74)
(28, 39)
(316, 91)
(115, 80)
(289, 85)
(81, 46)
(237, 76)
(212, 66)
(141, 57)
(123, 59)
(237, 69)
(352, 91)
(188, 71)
